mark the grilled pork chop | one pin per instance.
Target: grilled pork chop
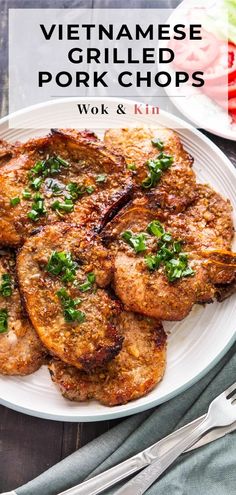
(133, 373)
(61, 272)
(165, 264)
(207, 223)
(174, 186)
(66, 176)
(21, 351)
(6, 151)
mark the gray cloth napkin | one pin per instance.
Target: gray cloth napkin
(208, 470)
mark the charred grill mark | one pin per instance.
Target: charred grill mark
(103, 354)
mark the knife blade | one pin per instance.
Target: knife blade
(108, 478)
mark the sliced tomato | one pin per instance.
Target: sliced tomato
(232, 107)
(193, 55)
(232, 89)
(224, 66)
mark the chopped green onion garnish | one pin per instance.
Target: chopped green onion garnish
(26, 194)
(169, 254)
(131, 166)
(61, 263)
(6, 285)
(89, 189)
(14, 201)
(87, 285)
(136, 241)
(177, 246)
(67, 206)
(38, 208)
(152, 261)
(36, 183)
(177, 268)
(38, 168)
(62, 162)
(156, 168)
(71, 314)
(3, 320)
(167, 237)
(101, 178)
(165, 253)
(75, 190)
(49, 166)
(158, 143)
(33, 215)
(156, 228)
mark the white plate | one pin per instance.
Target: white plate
(195, 344)
(195, 105)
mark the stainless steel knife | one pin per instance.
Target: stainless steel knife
(108, 478)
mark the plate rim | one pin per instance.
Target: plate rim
(129, 412)
(131, 407)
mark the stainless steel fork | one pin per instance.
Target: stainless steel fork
(221, 412)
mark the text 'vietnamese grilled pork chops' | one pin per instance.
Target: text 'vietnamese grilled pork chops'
(159, 163)
(138, 367)
(67, 176)
(61, 271)
(21, 351)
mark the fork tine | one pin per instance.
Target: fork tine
(232, 398)
(231, 389)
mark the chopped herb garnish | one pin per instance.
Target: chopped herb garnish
(158, 143)
(169, 254)
(50, 166)
(61, 263)
(89, 189)
(136, 241)
(75, 190)
(101, 178)
(178, 267)
(33, 215)
(131, 166)
(63, 163)
(38, 168)
(6, 285)
(42, 170)
(71, 314)
(152, 261)
(177, 246)
(155, 228)
(156, 168)
(3, 320)
(167, 237)
(36, 183)
(14, 201)
(26, 194)
(38, 208)
(87, 285)
(67, 206)
(165, 253)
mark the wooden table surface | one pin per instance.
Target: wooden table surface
(29, 446)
